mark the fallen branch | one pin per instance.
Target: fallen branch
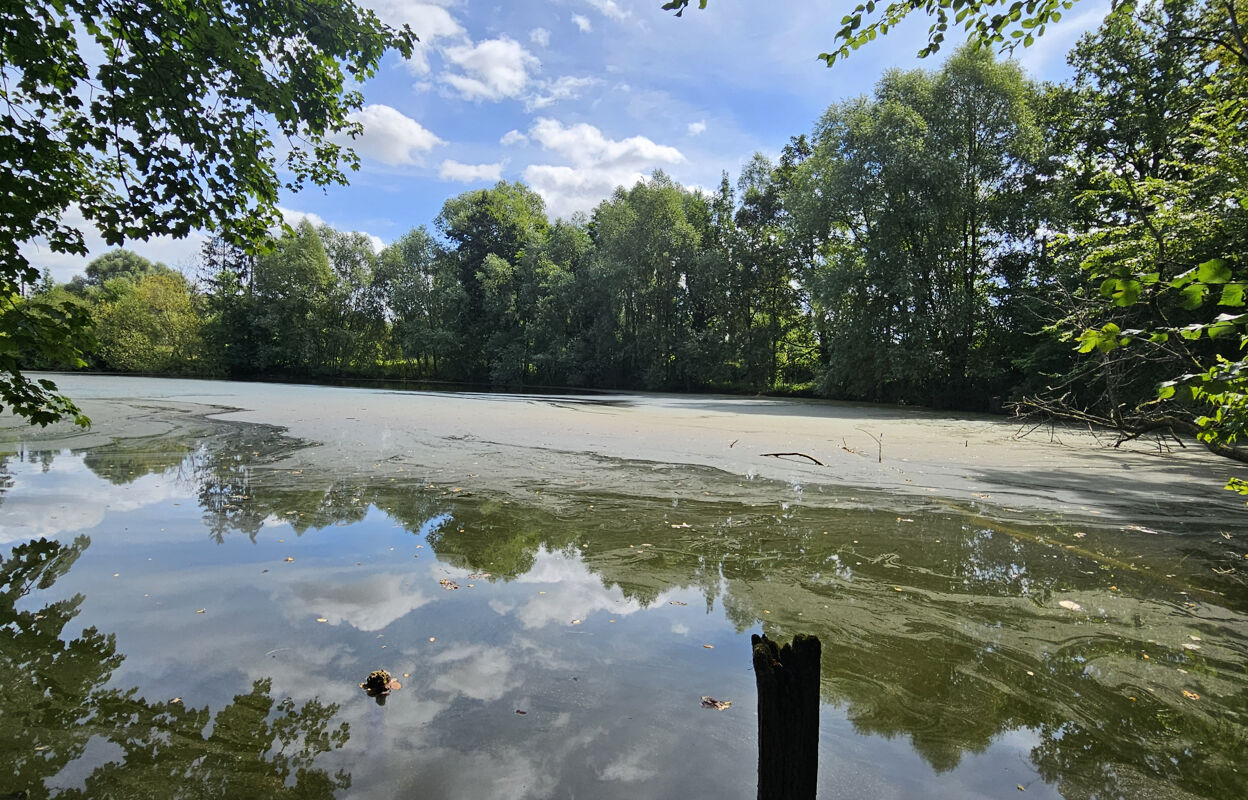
(802, 455)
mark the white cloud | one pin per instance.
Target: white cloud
(470, 173)
(390, 137)
(293, 218)
(540, 37)
(429, 22)
(609, 8)
(599, 164)
(566, 88)
(697, 128)
(493, 69)
(585, 145)
(182, 254)
(583, 23)
(513, 137)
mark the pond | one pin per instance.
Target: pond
(190, 612)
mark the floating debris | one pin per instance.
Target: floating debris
(379, 683)
(718, 705)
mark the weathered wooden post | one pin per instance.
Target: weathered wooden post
(788, 717)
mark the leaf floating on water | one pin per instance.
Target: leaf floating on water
(448, 584)
(683, 525)
(576, 622)
(289, 559)
(1080, 534)
(904, 519)
(718, 705)
(394, 684)
(521, 713)
(433, 638)
(322, 619)
(202, 610)
(1190, 695)
(676, 603)
(709, 646)
(1070, 605)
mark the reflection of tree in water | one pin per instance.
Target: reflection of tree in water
(930, 628)
(929, 631)
(53, 701)
(43, 458)
(126, 460)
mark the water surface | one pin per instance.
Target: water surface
(199, 616)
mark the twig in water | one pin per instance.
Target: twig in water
(802, 455)
(879, 441)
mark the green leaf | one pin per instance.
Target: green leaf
(1215, 270)
(1193, 296)
(1232, 295)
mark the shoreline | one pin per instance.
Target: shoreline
(636, 443)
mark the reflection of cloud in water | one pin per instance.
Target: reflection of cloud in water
(366, 604)
(578, 592)
(503, 775)
(69, 498)
(501, 608)
(629, 767)
(476, 671)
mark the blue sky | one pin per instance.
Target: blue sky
(575, 97)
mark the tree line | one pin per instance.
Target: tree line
(959, 238)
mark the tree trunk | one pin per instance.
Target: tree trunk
(788, 717)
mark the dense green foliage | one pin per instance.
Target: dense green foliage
(156, 117)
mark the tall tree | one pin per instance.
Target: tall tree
(292, 293)
(644, 243)
(920, 207)
(171, 129)
(490, 231)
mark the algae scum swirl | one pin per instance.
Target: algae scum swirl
(189, 612)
